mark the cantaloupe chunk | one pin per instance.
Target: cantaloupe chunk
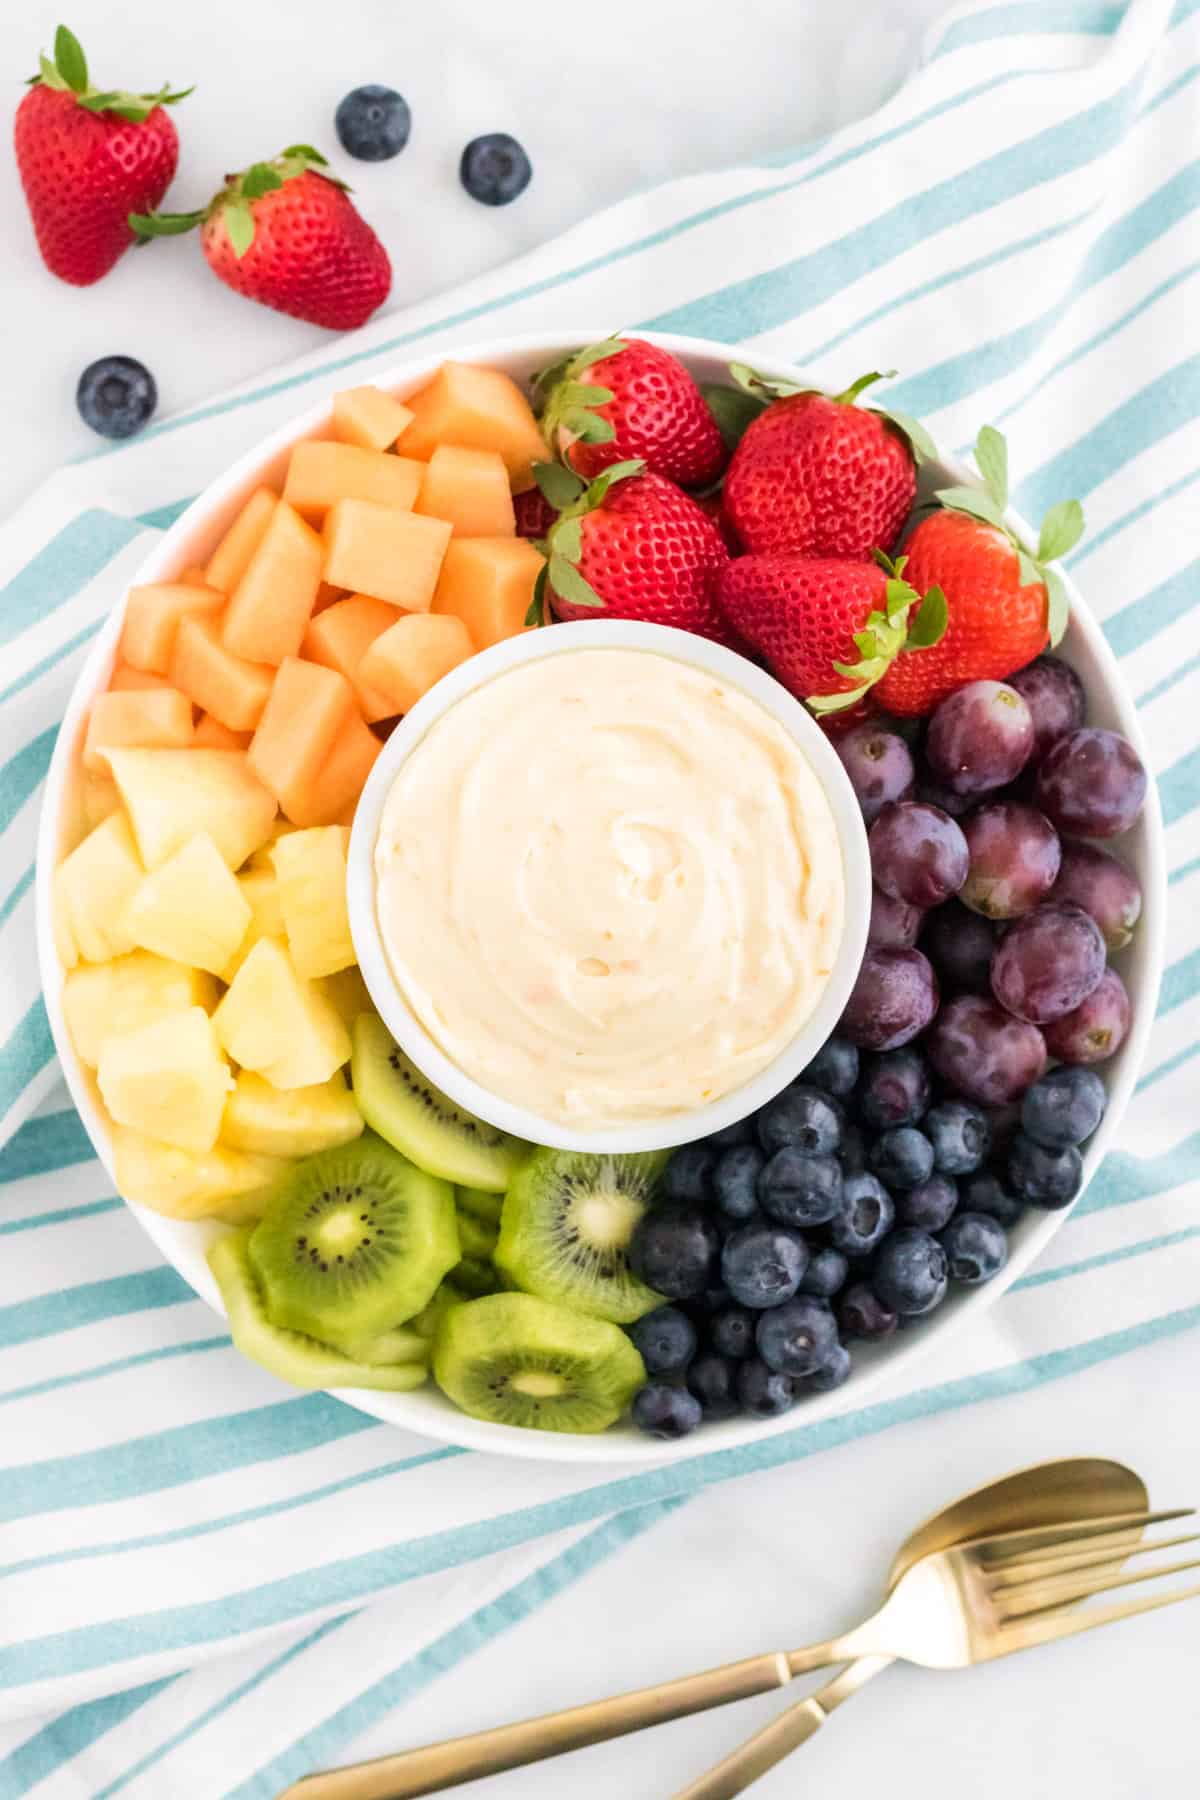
(488, 583)
(105, 999)
(196, 576)
(231, 558)
(282, 1027)
(93, 886)
(341, 637)
(390, 555)
(469, 488)
(368, 416)
(100, 798)
(327, 595)
(127, 680)
(152, 615)
(418, 650)
(160, 716)
(167, 1079)
(260, 890)
(332, 798)
(320, 472)
(310, 868)
(210, 734)
(186, 1184)
(172, 795)
(190, 909)
(271, 1121)
(482, 409)
(307, 708)
(270, 607)
(233, 690)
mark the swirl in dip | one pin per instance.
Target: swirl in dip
(609, 886)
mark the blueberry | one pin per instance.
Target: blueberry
(800, 1189)
(893, 1089)
(740, 1132)
(734, 1181)
(801, 1118)
(116, 395)
(1048, 1178)
(834, 1068)
(901, 1157)
(731, 1331)
(664, 1411)
(910, 1273)
(930, 1204)
(797, 1337)
(976, 1247)
(825, 1275)
(711, 1301)
(866, 1217)
(711, 1380)
(495, 168)
(666, 1338)
(763, 1392)
(862, 1314)
(687, 1175)
(831, 1373)
(960, 1135)
(673, 1249)
(373, 123)
(853, 1153)
(1064, 1107)
(986, 1193)
(763, 1264)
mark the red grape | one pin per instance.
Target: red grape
(959, 944)
(918, 853)
(1096, 1028)
(980, 737)
(894, 923)
(1054, 695)
(1091, 784)
(894, 998)
(880, 766)
(1015, 856)
(1048, 962)
(983, 1052)
(1100, 883)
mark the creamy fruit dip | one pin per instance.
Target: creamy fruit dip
(609, 886)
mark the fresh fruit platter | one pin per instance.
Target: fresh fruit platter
(290, 635)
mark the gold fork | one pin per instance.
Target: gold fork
(954, 1607)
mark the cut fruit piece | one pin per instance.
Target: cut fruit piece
(390, 555)
(233, 690)
(400, 1345)
(565, 1230)
(297, 1122)
(127, 680)
(332, 797)
(485, 1205)
(152, 616)
(112, 998)
(307, 709)
(167, 1079)
(174, 795)
(190, 909)
(182, 1184)
(398, 1103)
(475, 1235)
(162, 717)
(475, 1275)
(196, 576)
(278, 1025)
(327, 595)
(425, 1323)
(469, 489)
(231, 558)
(101, 798)
(482, 409)
(368, 416)
(520, 1361)
(417, 651)
(310, 868)
(65, 947)
(488, 583)
(347, 993)
(321, 473)
(210, 734)
(353, 1243)
(95, 883)
(341, 637)
(260, 891)
(270, 607)
(288, 1354)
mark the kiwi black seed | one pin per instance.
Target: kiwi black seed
(517, 1360)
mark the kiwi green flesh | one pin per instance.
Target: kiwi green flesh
(517, 1360)
(482, 1204)
(353, 1242)
(473, 1276)
(477, 1237)
(418, 1120)
(565, 1230)
(425, 1323)
(289, 1354)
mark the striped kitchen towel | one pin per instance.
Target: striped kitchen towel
(187, 1549)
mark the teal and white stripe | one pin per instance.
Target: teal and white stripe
(1016, 231)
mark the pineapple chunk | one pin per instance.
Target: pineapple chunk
(65, 947)
(261, 894)
(191, 908)
(167, 1080)
(174, 795)
(296, 1122)
(95, 883)
(311, 871)
(108, 999)
(220, 1183)
(279, 1025)
(100, 799)
(347, 993)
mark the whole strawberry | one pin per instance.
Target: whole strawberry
(623, 399)
(534, 513)
(820, 475)
(287, 234)
(87, 158)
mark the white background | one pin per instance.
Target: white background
(607, 100)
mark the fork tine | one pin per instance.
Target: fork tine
(1015, 1604)
(1042, 1568)
(1012, 1546)
(1024, 1634)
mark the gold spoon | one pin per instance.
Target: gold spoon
(1054, 1493)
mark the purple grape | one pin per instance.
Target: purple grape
(959, 944)
(932, 793)
(880, 767)
(894, 998)
(918, 853)
(1097, 1028)
(1091, 784)
(983, 1052)
(979, 737)
(1047, 963)
(1100, 883)
(1054, 695)
(894, 923)
(1015, 856)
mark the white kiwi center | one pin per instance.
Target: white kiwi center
(605, 1219)
(539, 1384)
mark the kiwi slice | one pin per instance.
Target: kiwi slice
(425, 1324)
(396, 1101)
(475, 1236)
(474, 1276)
(353, 1242)
(565, 1230)
(480, 1201)
(521, 1361)
(290, 1354)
